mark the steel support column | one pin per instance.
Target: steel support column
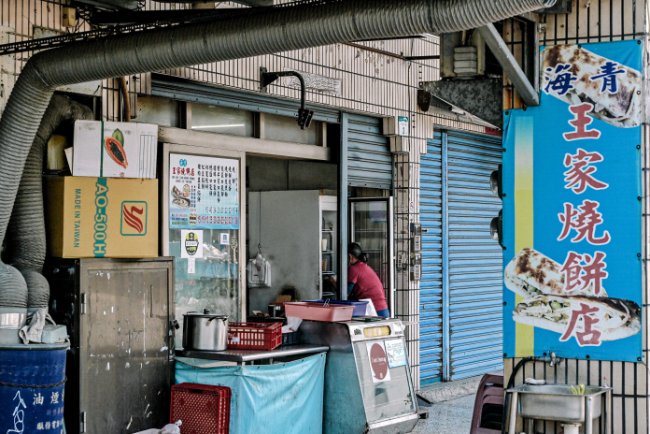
(509, 64)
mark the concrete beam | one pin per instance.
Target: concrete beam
(250, 145)
(479, 96)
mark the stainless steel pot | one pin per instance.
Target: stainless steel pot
(205, 331)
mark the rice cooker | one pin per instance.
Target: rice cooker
(205, 331)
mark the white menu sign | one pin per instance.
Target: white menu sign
(203, 192)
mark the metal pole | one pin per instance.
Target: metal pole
(509, 65)
(446, 294)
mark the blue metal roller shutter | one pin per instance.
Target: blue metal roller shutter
(370, 163)
(475, 278)
(431, 281)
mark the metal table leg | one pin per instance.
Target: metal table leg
(608, 409)
(513, 413)
(589, 421)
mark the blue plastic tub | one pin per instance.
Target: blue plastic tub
(32, 380)
(359, 306)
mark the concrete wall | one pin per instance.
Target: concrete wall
(289, 240)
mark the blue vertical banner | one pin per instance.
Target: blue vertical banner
(572, 216)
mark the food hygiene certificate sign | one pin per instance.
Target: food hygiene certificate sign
(572, 212)
(203, 192)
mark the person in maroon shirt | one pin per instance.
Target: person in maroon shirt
(363, 282)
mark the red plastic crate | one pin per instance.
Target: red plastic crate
(254, 335)
(203, 409)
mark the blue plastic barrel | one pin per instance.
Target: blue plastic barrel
(32, 380)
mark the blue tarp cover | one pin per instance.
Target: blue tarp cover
(282, 398)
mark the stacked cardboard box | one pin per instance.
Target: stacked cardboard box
(107, 208)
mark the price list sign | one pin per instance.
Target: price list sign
(203, 192)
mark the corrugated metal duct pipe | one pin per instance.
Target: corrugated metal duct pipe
(26, 234)
(261, 31)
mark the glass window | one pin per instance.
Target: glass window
(286, 129)
(159, 111)
(221, 120)
(204, 233)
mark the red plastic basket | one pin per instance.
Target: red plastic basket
(254, 335)
(203, 409)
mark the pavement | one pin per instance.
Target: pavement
(447, 417)
(450, 407)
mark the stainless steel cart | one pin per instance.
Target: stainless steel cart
(368, 386)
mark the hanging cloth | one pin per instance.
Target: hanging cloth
(258, 271)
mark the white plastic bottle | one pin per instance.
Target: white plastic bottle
(172, 428)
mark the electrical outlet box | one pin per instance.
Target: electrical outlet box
(416, 237)
(416, 266)
(395, 126)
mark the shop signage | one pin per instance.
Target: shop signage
(203, 192)
(191, 248)
(572, 207)
(378, 362)
(396, 353)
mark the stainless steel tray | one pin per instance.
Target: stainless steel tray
(557, 402)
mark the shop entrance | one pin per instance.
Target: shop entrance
(292, 232)
(371, 226)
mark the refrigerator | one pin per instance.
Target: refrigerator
(119, 367)
(371, 226)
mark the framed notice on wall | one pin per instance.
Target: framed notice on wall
(203, 192)
(202, 228)
(572, 212)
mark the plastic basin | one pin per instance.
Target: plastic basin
(359, 306)
(318, 311)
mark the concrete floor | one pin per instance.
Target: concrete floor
(453, 416)
(451, 408)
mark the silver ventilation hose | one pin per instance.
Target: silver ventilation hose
(26, 234)
(262, 31)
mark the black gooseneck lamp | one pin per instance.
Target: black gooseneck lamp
(304, 115)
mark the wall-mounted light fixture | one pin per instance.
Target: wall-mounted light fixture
(304, 115)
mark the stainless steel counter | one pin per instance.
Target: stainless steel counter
(246, 356)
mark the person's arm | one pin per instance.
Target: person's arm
(351, 291)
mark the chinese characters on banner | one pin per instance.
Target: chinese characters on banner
(572, 259)
(203, 192)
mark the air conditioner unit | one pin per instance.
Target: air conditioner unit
(466, 61)
(462, 55)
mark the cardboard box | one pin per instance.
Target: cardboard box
(115, 149)
(101, 217)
